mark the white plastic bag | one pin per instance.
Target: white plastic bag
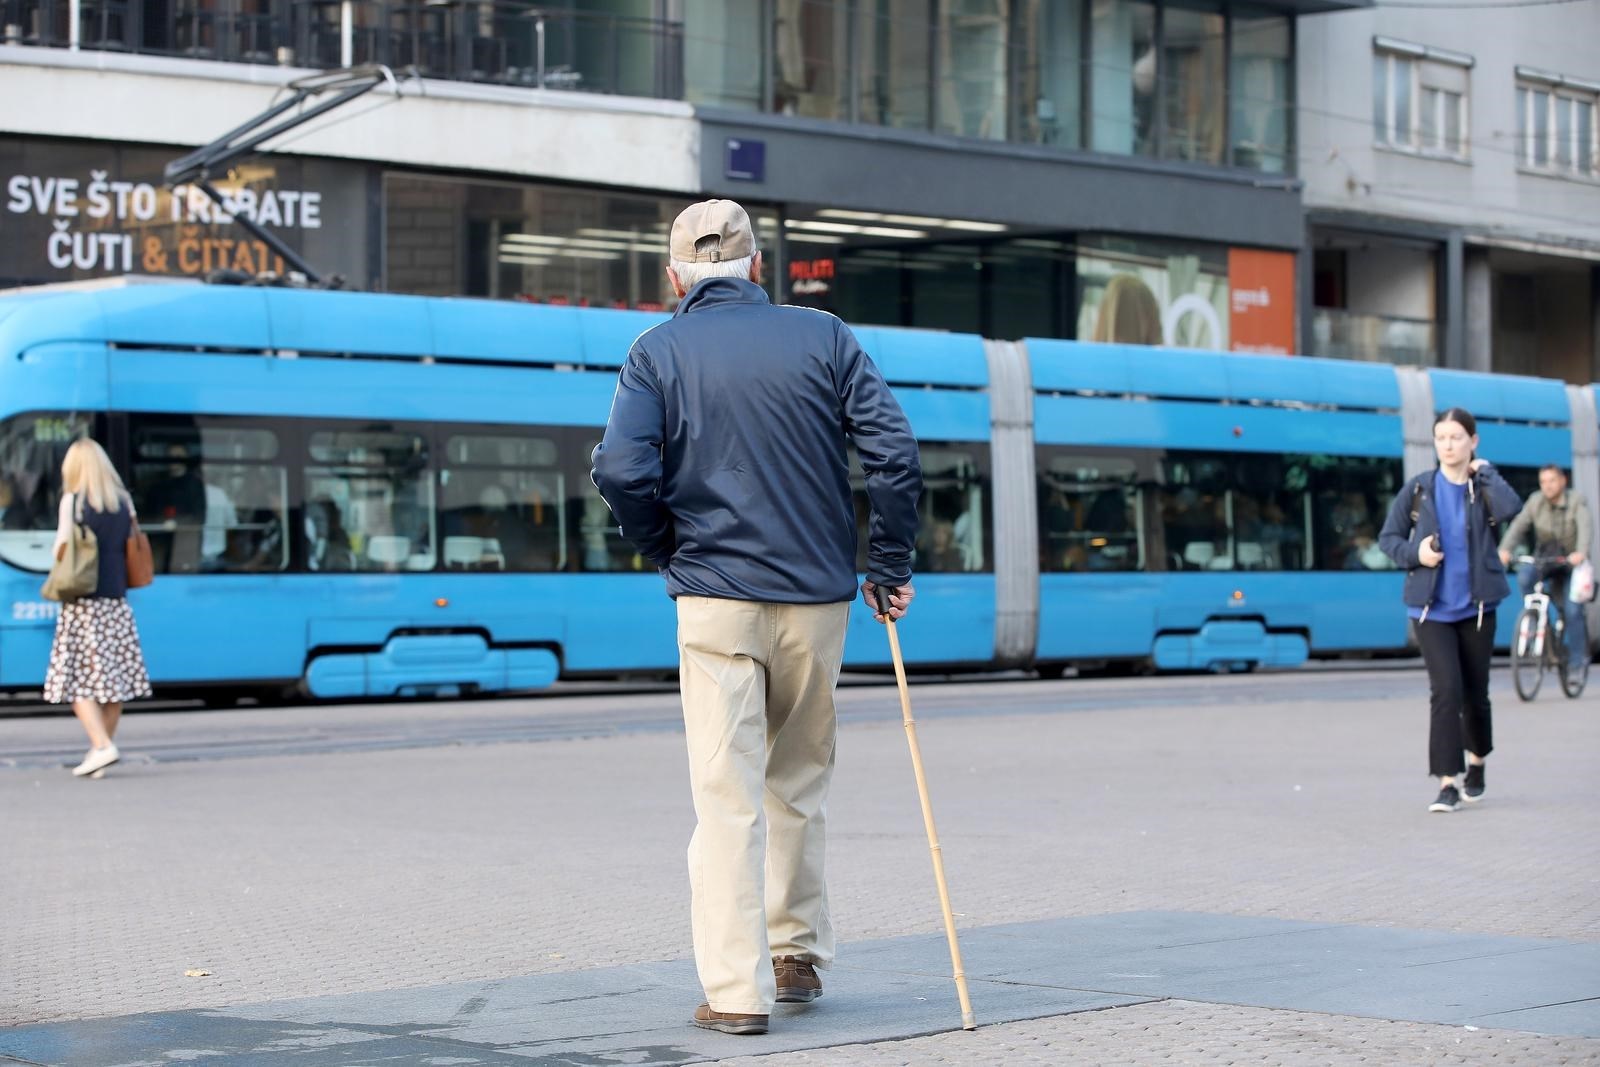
(1583, 583)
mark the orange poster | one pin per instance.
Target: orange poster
(1261, 301)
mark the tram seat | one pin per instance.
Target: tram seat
(1250, 554)
(474, 554)
(389, 551)
(1197, 555)
(463, 553)
(493, 553)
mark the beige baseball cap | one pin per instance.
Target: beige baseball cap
(723, 219)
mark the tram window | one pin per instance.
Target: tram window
(32, 447)
(1088, 513)
(954, 528)
(953, 531)
(210, 493)
(1194, 512)
(1525, 480)
(1350, 498)
(602, 546)
(1266, 513)
(502, 503)
(369, 501)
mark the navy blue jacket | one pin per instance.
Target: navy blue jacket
(726, 459)
(1489, 500)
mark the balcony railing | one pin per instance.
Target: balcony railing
(1342, 334)
(496, 41)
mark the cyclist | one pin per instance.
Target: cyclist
(1440, 531)
(1559, 518)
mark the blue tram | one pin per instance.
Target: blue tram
(364, 495)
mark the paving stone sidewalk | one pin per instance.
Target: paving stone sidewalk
(316, 875)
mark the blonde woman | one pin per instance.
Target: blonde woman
(95, 661)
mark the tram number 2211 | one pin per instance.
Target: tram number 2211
(35, 611)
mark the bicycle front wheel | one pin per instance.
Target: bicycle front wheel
(1527, 659)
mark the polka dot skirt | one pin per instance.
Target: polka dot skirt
(96, 654)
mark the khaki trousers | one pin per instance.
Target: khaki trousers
(758, 712)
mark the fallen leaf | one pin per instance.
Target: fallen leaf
(197, 974)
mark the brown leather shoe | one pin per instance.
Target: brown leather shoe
(797, 980)
(729, 1022)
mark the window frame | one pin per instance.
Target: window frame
(1417, 83)
(565, 445)
(982, 457)
(1153, 467)
(1556, 90)
(286, 438)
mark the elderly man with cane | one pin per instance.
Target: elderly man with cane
(726, 462)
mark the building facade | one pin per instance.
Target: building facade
(1101, 169)
(1452, 183)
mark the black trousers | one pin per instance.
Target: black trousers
(1457, 655)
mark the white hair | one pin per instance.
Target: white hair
(692, 274)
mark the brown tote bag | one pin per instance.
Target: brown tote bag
(141, 565)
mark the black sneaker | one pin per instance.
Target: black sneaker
(1449, 800)
(1472, 788)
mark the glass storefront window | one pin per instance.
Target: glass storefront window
(1123, 42)
(77, 210)
(1260, 92)
(31, 450)
(812, 59)
(894, 63)
(536, 243)
(972, 67)
(1046, 74)
(723, 54)
(1192, 85)
(1134, 291)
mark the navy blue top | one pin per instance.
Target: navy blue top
(726, 458)
(111, 532)
(1452, 598)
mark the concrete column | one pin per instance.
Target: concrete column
(1479, 311)
(1452, 316)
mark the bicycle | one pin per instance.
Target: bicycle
(1534, 649)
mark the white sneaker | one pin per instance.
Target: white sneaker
(97, 759)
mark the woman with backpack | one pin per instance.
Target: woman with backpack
(95, 660)
(1441, 531)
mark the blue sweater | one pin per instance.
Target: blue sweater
(1452, 596)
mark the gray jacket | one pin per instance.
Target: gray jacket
(1566, 523)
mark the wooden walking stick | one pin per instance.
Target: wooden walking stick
(967, 1020)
